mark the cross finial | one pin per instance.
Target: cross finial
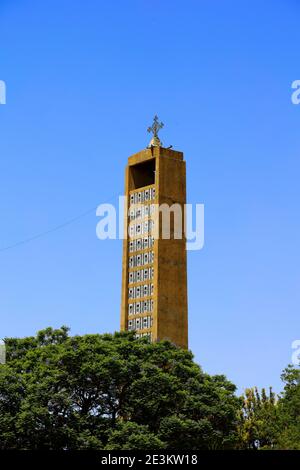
(155, 128)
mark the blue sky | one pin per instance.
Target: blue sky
(84, 80)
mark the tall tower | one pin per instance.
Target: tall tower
(154, 271)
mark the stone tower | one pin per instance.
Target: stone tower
(154, 270)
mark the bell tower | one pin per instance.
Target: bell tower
(154, 269)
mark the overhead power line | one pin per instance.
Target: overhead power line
(52, 230)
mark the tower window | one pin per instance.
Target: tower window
(142, 174)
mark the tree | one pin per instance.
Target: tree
(111, 392)
(267, 422)
(129, 435)
(259, 419)
(289, 405)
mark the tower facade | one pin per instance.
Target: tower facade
(154, 270)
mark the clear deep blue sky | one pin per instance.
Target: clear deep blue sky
(84, 79)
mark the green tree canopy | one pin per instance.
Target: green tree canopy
(111, 392)
(270, 422)
(259, 416)
(289, 405)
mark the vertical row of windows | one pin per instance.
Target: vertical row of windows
(141, 227)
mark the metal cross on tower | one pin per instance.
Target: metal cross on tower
(155, 128)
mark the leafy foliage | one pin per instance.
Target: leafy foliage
(259, 419)
(111, 392)
(289, 437)
(117, 393)
(267, 422)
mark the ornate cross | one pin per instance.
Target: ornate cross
(156, 126)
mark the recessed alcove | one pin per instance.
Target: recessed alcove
(142, 174)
